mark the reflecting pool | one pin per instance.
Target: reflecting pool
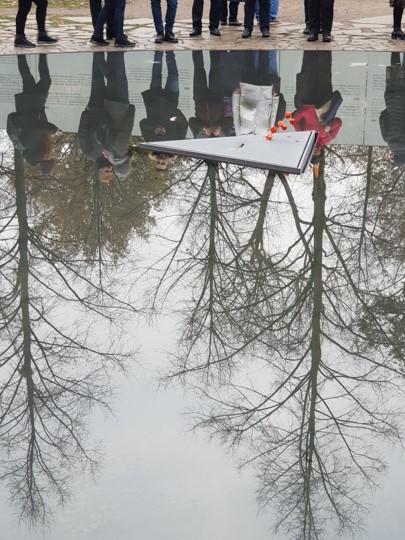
(197, 348)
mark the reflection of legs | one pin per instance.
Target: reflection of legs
(98, 70)
(28, 80)
(317, 83)
(200, 87)
(45, 81)
(156, 81)
(117, 83)
(215, 75)
(172, 83)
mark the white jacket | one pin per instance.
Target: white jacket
(254, 109)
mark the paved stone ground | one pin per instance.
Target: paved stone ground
(363, 25)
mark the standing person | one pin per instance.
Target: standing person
(171, 10)
(264, 17)
(320, 14)
(24, 7)
(232, 11)
(197, 12)
(117, 7)
(398, 6)
(392, 119)
(28, 127)
(95, 8)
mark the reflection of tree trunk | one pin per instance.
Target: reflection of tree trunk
(23, 276)
(366, 199)
(316, 352)
(256, 239)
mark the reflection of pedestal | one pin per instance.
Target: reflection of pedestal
(286, 152)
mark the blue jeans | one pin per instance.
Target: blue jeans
(170, 15)
(118, 9)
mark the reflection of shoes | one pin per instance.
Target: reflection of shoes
(235, 23)
(306, 29)
(224, 23)
(327, 38)
(247, 32)
(44, 39)
(265, 32)
(312, 37)
(215, 32)
(275, 21)
(95, 40)
(124, 43)
(397, 34)
(159, 37)
(195, 32)
(171, 38)
(22, 41)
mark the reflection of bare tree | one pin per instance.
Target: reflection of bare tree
(53, 368)
(279, 336)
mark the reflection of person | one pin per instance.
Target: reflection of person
(210, 119)
(398, 6)
(164, 121)
(315, 101)
(106, 123)
(197, 12)
(320, 13)
(171, 9)
(28, 127)
(24, 7)
(392, 119)
(257, 103)
(264, 17)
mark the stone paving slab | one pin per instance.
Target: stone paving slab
(73, 32)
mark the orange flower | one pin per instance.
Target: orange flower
(288, 115)
(273, 129)
(269, 136)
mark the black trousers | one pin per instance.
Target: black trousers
(264, 13)
(95, 8)
(24, 7)
(197, 13)
(321, 14)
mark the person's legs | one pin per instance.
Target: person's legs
(233, 11)
(24, 7)
(42, 6)
(274, 6)
(397, 20)
(214, 14)
(119, 10)
(249, 14)
(223, 14)
(95, 8)
(170, 16)
(264, 14)
(327, 16)
(196, 13)
(157, 15)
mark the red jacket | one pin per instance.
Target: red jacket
(306, 119)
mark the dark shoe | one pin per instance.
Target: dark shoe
(235, 23)
(44, 39)
(124, 43)
(312, 37)
(247, 32)
(265, 33)
(159, 37)
(98, 41)
(215, 32)
(397, 34)
(327, 38)
(224, 23)
(195, 32)
(306, 30)
(171, 38)
(22, 41)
